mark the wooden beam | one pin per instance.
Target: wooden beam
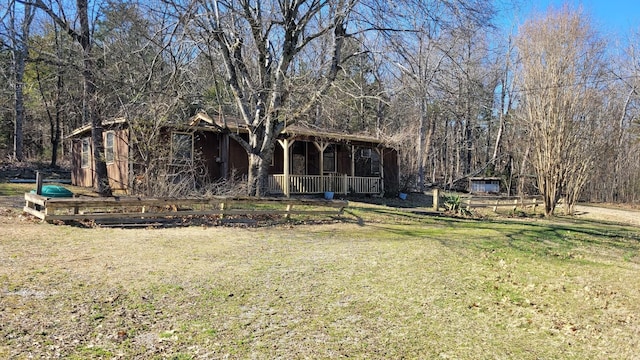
(38, 183)
(353, 160)
(381, 169)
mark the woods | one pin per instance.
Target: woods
(549, 106)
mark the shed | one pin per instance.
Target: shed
(484, 184)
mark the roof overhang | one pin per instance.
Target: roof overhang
(87, 127)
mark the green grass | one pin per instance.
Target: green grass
(383, 284)
(10, 189)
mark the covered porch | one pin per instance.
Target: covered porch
(313, 166)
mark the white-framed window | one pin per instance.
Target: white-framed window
(109, 144)
(85, 152)
(329, 162)
(181, 147)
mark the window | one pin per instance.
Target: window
(85, 152)
(108, 147)
(329, 164)
(181, 147)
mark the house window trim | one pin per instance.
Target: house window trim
(182, 160)
(107, 147)
(85, 153)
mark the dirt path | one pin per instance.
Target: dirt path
(624, 216)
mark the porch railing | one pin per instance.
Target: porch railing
(316, 184)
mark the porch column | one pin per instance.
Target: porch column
(353, 160)
(381, 165)
(224, 156)
(287, 181)
(322, 146)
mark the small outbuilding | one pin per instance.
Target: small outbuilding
(484, 185)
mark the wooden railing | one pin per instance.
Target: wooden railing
(52, 209)
(317, 184)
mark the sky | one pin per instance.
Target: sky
(619, 17)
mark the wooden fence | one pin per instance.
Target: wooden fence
(495, 202)
(89, 208)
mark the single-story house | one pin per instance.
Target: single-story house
(305, 160)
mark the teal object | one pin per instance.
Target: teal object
(55, 191)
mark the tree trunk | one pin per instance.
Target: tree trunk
(19, 42)
(259, 162)
(56, 122)
(19, 106)
(421, 145)
(90, 98)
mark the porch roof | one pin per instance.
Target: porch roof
(235, 124)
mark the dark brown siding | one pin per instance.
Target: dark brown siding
(278, 160)
(207, 144)
(238, 159)
(313, 162)
(391, 171)
(344, 162)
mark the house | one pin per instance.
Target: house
(305, 160)
(484, 185)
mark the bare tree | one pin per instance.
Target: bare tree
(562, 65)
(83, 36)
(18, 28)
(258, 42)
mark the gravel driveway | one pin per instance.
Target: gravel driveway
(624, 216)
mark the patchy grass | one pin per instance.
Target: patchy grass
(11, 189)
(383, 284)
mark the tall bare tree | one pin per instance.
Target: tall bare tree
(19, 25)
(258, 42)
(83, 36)
(562, 65)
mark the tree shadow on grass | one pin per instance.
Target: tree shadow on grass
(556, 238)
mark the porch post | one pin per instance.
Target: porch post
(398, 166)
(353, 160)
(287, 182)
(322, 146)
(224, 156)
(381, 165)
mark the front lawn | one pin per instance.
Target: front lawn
(383, 284)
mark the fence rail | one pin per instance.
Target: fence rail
(87, 208)
(495, 202)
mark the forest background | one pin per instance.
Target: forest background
(548, 101)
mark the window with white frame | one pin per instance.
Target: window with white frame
(181, 147)
(110, 139)
(85, 152)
